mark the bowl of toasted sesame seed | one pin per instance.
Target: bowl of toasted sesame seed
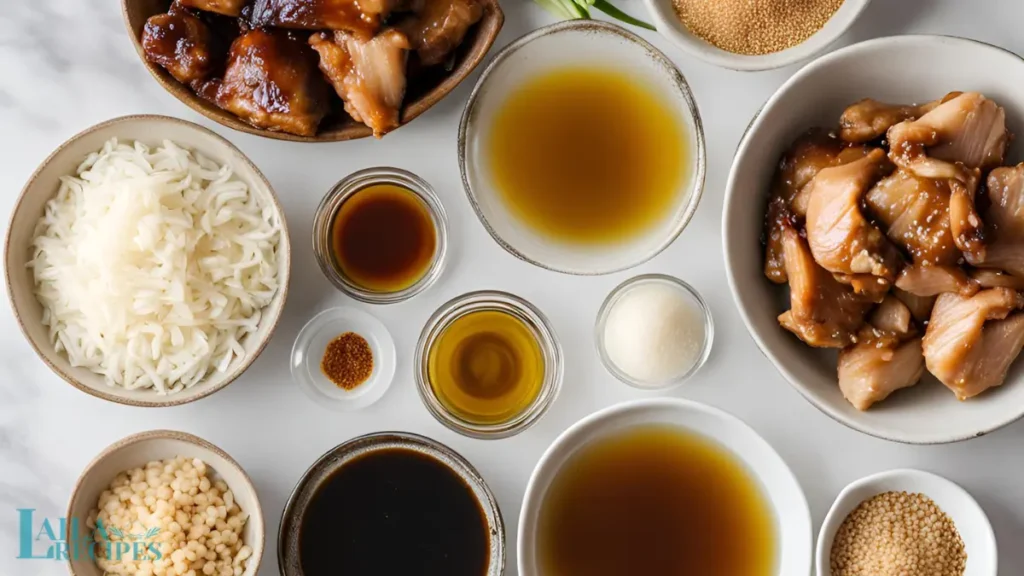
(754, 34)
(906, 523)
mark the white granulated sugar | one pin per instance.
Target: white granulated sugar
(654, 332)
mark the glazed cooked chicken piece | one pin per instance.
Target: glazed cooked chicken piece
(968, 129)
(842, 240)
(812, 151)
(361, 17)
(892, 316)
(927, 280)
(1005, 222)
(869, 119)
(870, 371)
(920, 306)
(823, 313)
(272, 83)
(181, 43)
(996, 279)
(369, 76)
(915, 214)
(438, 27)
(971, 341)
(226, 7)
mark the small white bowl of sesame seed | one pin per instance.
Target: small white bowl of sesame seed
(906, 523)
(754, 34)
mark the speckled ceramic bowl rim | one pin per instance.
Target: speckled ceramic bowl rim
(257, 550)
(596, 27)
(339, 455)
(734, 290)
(284, 246)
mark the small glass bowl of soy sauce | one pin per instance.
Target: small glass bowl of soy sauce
(381, 235)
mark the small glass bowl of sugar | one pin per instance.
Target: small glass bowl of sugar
(654, 332)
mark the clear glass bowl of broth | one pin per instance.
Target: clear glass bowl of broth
(488, 365)
(581, 149)
(381, 235)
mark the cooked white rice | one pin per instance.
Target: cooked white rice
(153, 265)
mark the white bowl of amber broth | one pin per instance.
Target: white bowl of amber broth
(781, 489)
(969, 519)
(899, 69)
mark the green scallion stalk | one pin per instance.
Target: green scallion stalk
(580, 9)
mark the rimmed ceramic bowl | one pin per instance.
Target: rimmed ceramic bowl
(288, 554)
(968, 517)
(136, 451)
(669, 25)
(894, 69)
(576, 43)
(43, 185)
(782, 490)
(420, 97)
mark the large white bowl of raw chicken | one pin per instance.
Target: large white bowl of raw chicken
(874, 236)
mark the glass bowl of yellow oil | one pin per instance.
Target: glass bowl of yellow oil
(581, 149)
(488, 364)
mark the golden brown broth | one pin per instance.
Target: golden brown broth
(656, 500)
(486, 367)
(588, 156)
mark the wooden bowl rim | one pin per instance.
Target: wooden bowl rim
(158, 401)
(490, 24)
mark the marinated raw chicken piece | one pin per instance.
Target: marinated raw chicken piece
(971, 342)
(870, 371)
(1005, 219)
(369, 76)
(996, 279)
(920, 306)
(842, 240)
(969, 130)
(927, 280)
(272, 83)
(823, 313)
(915, 214)
(362, 17)
(225, 7)
(439, 26)
(812, 151)
(870, 119)
(181, 43)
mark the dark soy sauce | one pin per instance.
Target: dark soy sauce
(394, 512)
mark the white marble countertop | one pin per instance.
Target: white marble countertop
(67, 64)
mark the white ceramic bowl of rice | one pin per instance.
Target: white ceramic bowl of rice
(147, 261)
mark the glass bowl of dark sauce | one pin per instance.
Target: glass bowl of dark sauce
(391, 503)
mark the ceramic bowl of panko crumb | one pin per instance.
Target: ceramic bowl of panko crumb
(164, 503)
(924, 521)
(754, 35)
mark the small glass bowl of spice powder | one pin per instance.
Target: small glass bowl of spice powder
(344, 358)
(347, 361)
(754, 34)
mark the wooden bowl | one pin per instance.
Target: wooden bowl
(339, 126)
(136, 451)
